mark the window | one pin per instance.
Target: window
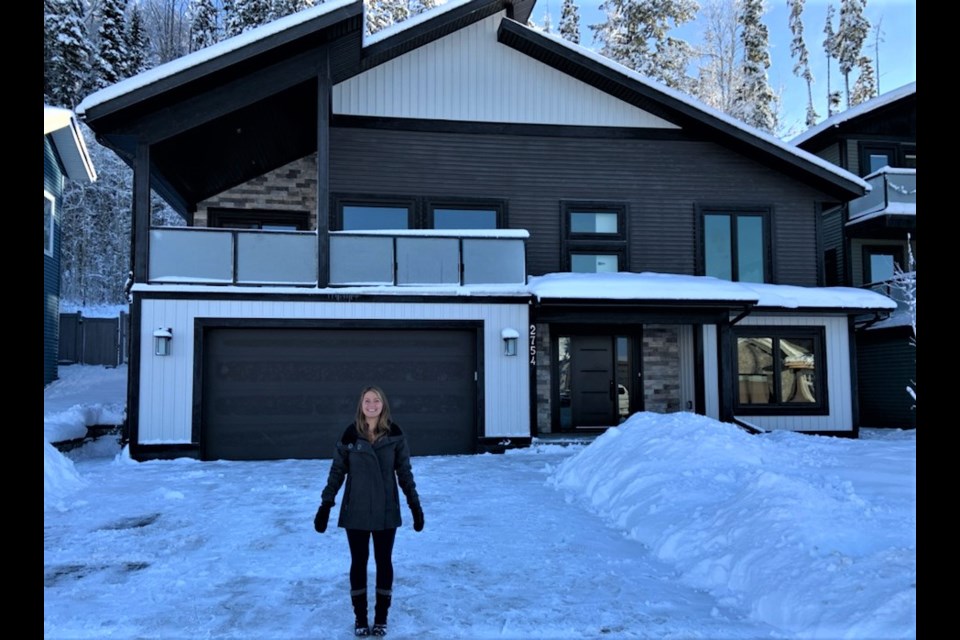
(780, 370)
(595, 237)
(258, 219)
(48, 218)
(356, 213)
(880, 263)
(876, 155)
(736, 245)
(465, 215)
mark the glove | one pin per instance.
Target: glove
(323, 515)
(417, 518)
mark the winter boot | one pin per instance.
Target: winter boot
(380, 613)
(359, 598)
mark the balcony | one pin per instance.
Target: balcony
(240, 257)
(890, 209)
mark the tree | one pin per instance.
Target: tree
(636, 34)
(168, 29)
(905, 285)
(137, 42)
(756, 101)
(280, 8)
(204, 30)
(66, 53)
(112, 54)
(721, 52)
(798, 50)
(380, 14)
(241, 16)
(865, 87)
(851, 35)
(830, 49)
(570, 21)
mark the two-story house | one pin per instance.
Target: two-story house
(65, 157)
(509, 233)
(868, 240)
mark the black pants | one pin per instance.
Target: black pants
(382, 554)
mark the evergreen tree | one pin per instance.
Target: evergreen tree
(137, 42)
(280, 8)
(852, 33)
(798, 50)
(380, 14)
(865, 87)
(203, 24)
(112, 55)
(547, 23)
(756, 101)
(167, 24)
(636, 34)
(67, 54)
(570, 21)
(830, 49)
(243, 15)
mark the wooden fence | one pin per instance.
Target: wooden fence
(94, 340)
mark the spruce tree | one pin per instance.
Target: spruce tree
(570, 21)
(635, 33)
(112, 54)
(798, 50)
(241, 16)
(137, 42)
(852, 33)
(280, 8)
(865, 87)
(756, 100)
(203, 24)
(67, 53)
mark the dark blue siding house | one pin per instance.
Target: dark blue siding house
(64, 156)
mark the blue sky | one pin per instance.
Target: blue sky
(898, 48)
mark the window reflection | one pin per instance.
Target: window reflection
(777, 370)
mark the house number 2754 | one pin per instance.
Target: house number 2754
(533, 345)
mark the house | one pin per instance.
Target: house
(509, 233)
(866, 240)
(64, 156)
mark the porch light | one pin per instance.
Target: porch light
(161, 341)
(510, 337)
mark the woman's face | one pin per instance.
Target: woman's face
(372, 405)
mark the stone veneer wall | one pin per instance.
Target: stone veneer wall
(661, 368)
(292, 187)
(543, 378)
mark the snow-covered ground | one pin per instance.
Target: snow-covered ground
(670, 526)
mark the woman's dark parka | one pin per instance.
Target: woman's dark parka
(371, 500)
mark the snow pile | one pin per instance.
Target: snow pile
(60, 477)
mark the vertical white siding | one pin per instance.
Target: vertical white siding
(167, 384)
(468, 75)
(837, 353)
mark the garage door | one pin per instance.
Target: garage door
(273, 393)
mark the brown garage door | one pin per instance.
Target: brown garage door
(273, 393)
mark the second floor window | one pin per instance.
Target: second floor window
(736, 245)
(881, 263)
(377, 213)
(266, 219)
(595, 237)
(876, 155)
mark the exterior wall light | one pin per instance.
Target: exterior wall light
(161, 341)
(510, 337)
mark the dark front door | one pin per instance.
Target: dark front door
(595, 379)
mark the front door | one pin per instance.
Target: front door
(595, 380)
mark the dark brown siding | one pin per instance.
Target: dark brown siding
(661, 181)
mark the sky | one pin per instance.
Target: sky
(897, 48)
(669, 526)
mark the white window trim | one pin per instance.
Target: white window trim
(48, 249)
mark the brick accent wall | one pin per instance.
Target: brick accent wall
(661, 368)
(543, 378)
(292, 187)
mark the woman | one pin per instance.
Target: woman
(372, 455)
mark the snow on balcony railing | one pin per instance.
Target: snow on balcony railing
(894, 192)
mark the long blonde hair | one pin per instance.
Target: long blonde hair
(383, 423)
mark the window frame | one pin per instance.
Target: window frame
(572, 243)
(765, 213)
(220, 217)
(896, 151)
(868, 250)
(360, 200)
(50, 225)
(815, 333)
(430, 204)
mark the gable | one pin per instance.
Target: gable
(469, 76)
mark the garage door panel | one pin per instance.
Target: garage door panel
(288, 393)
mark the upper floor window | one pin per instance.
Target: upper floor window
(876, 155)
(780, 370)
(594, 237)
(258, 219)
(378, 213)
(880, 263)
(48, 218)
(463, 214)
(736, 245)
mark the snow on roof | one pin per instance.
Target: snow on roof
(859, 110)
(61, 125)
(664, 286)
(706, 109)
(208, 53)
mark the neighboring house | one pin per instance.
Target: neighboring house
(866, 240)
(510, 234)
(64, 156)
